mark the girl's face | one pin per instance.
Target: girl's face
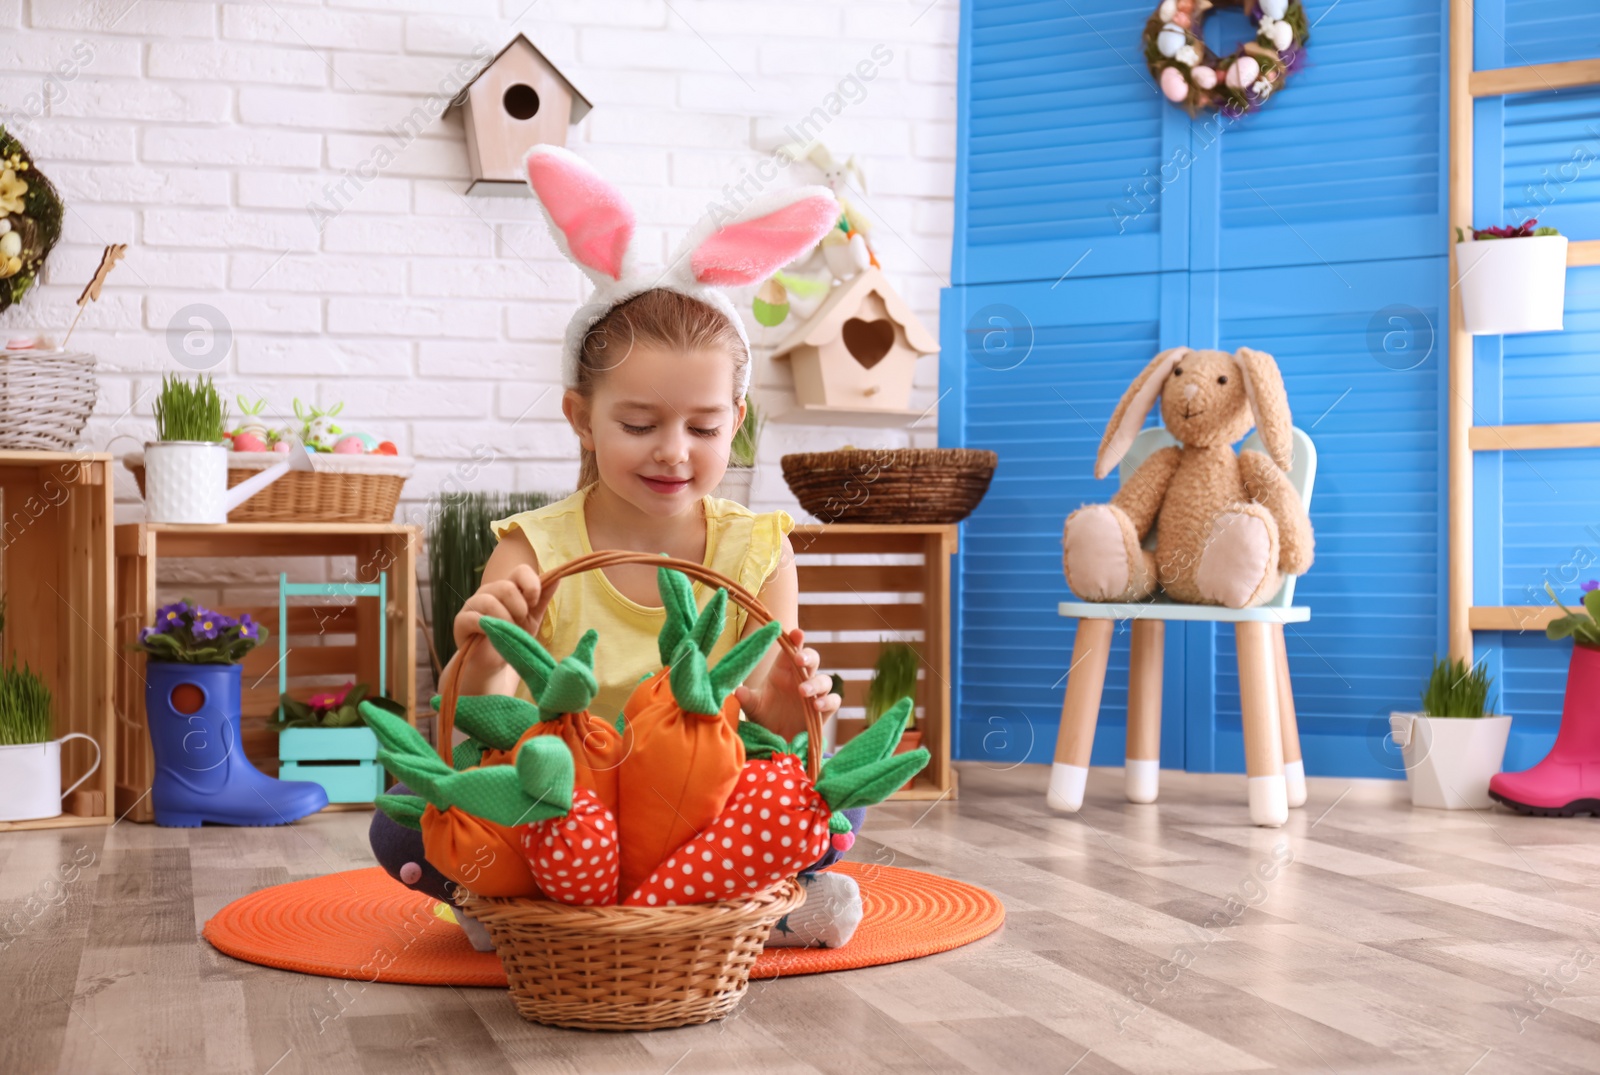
(660, 424)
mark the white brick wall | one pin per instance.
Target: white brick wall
(198, 132)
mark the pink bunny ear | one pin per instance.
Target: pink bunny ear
(771, 232)
(590, 219)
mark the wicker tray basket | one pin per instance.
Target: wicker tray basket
(341, 488)
(629, 968)
(45, 398)
(890, 485)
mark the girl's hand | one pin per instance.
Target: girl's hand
(793, 685)
(518, 598)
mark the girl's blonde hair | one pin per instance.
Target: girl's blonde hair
(663, 318)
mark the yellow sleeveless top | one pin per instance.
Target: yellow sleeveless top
(740, 544)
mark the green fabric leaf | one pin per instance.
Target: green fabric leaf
(760, 742)
(799, 744)
(708, 626)
(691, 686)
(546, 775)
(742, 659)
(872, 783)
(395, 734)
(677, 597)
(838, 823)
(875, 742)
(467, 753)
(572, 685)
(495, 720)
(403, 809)
(522, 651)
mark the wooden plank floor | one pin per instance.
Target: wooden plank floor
(1364, 937)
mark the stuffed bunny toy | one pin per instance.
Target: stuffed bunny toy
(1228, 527)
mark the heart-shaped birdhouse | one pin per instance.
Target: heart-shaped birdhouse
(858, 352)
(868, 341)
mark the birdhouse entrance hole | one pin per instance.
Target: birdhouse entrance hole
(521, 101)
(867, 341)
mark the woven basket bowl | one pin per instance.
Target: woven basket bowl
(890, 485)
(322, 496)
(45, 399)
(628, 968)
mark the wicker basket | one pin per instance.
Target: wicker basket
(45, 398)
(342, 489)
(890, 485)
(629, 968)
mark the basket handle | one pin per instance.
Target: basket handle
(450, 689)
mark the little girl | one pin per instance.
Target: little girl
(656, 365)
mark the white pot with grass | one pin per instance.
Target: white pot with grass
(30, 760)
(1456, 743)
(1512, 284)
(186, 467)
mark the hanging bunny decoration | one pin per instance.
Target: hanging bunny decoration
(593, 225)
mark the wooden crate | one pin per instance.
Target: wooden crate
(846, 587)
(331, 643)
(55, 554)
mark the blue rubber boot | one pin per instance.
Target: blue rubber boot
(202, 773)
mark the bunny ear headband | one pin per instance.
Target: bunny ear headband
(593, 224)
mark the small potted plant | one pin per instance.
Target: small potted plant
(739, 476)
(323, 739)
(1456, 743)
(1567, 780)
(192, 706)
(894, 677)
(1512, 279)
(30, 758)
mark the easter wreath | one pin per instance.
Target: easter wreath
(1190, 74)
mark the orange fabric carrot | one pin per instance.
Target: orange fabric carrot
(686, 754)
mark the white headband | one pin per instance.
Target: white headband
(593, 225)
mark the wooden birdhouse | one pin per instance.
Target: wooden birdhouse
(858, 352)
(517, 101)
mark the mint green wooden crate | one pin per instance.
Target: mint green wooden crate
(342, 760)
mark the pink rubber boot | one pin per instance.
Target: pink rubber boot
(1567, 781)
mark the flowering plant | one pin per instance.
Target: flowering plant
(193, 634)
(330, 709)
(1524, 230)
(1583, 625)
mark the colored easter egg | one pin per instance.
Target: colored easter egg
(1273, 9)
(1173, 85)
(387, 448)
(1204, 77)
(248, 442)
(1243, 72)
(281, 446)
(1170, 40)
(349, 446)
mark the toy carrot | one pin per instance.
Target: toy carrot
(686, 755)
(776, 822)
(455, 810)
(499, 725)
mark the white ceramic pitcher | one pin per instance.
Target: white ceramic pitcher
(30, 778)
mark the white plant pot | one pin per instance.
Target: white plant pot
(186, 481)
(735, 484)
(1449, 760)
(30, 779)
(1512, 285)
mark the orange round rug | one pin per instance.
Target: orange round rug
(364, 924)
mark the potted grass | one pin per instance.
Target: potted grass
(186, 466)
(1456, 743)
(30, 756)
(894, 677)
(459, 543)
(740, 475)
(1512, 279)
(324, 740)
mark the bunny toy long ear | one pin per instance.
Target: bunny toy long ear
(773, 230)
(591, 221)
(1263, 386)
(1134, 407)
